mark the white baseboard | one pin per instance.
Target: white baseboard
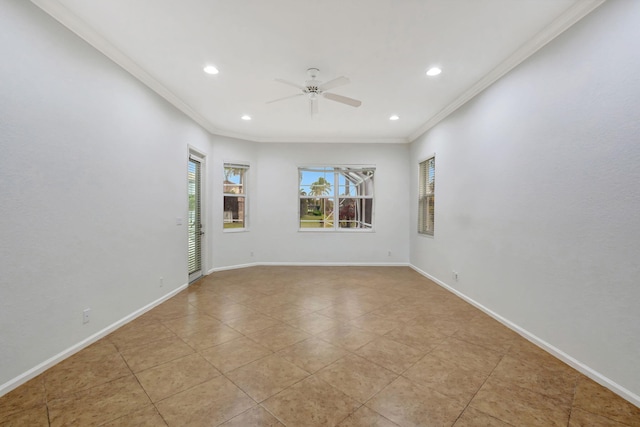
(232, 267)
(569, 360)
(40, 368)
(313, 264)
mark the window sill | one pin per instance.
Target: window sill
(235, 230)
(331, 230)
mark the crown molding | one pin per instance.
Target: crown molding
(63, 15)
(82, 30)
(71, 21)
(333, 140)
(572, 15)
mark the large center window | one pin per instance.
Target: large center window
(337, 198)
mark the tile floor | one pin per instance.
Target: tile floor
(314, 346)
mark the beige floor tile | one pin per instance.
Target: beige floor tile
(408, 404)
(278, 337)
(312, 354)
(191, 324)
(145, 417)
(390, 354)
(311, 302)
(229, 311)
(519, 406)
(204, 300)
(580, 418)
(29, 395)
(489, 333)
(473, 418)
(417, 335)
(234, 354)
(36, 416)
(99, 404)
(254, 417)
(348, 337)
(178, 375)
(446, 377)
(467, 356)
(175, 307)
(211, 337)
(346, 312)
(377, 314)
(436, 325)
(311, 403)
(149, 355)
(356, 377)
(523, 349)
(286, 312)
(376, 324)
(559, 384)
(267, 376)
(314, 323)
(396, 311)
(208, 404)
(365, 417)
(95, 365)
(251, 323)
(269, 302)
(136, 334)
(592, 397)
(238, 294)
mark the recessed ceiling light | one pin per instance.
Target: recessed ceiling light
(433, 71)
(394, 117)
(246, 117)
(210, 69)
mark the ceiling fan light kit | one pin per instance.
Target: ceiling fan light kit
(314, 88)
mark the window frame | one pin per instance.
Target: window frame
(244, 195)
(338, 226)
(426, 196)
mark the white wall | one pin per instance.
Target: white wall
(538, 196)
(92, 178)
(277, 239)
(230, 249)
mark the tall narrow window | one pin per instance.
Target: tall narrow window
(338, 198)
(235, 196)
(426, 202)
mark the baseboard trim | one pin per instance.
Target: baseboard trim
(232, 267)
(312, 264)
(566, 358)
(40, 368)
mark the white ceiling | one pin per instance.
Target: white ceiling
(383, 46)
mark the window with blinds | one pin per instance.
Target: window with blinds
(235, 196)
(426, 201)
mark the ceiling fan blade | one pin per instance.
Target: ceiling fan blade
(286, 97)
(291, 84)
(342, 99)
(338, 81)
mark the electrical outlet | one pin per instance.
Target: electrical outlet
(161, 281)
(85, 315)
(455, 275)
(251, 253)
(389, 253)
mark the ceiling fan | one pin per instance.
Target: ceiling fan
(315, 88)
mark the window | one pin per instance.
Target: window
(426, 202)
(338, 198)
(235, 196)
